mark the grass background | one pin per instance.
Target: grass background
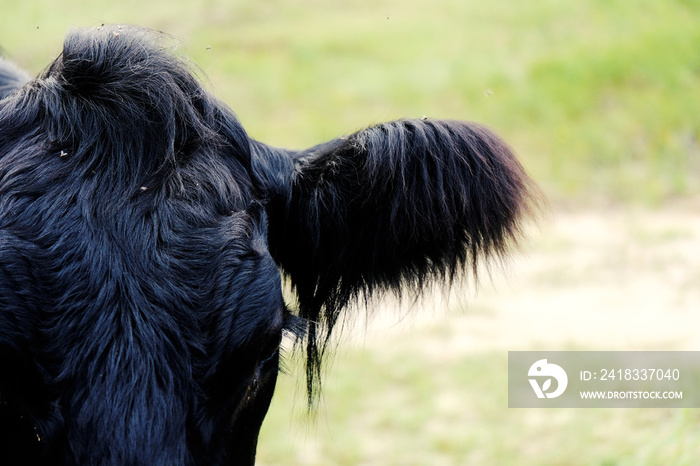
(599, 97)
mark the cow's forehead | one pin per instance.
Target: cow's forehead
(155, 248)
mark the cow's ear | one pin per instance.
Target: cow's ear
(390, 207)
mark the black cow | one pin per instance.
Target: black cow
(142, 234)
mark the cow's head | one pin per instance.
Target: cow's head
(142, 235)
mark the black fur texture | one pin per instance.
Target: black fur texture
(142, 233)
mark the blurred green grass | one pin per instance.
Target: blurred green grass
(600, 98)
(384, 409)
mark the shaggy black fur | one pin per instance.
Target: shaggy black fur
(141, 232)
(390, 207)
